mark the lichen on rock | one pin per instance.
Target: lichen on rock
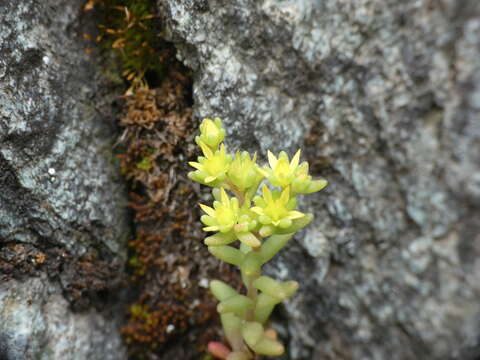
(62, 215)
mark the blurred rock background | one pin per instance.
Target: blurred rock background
(384, 96)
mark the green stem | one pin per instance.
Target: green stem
(238, 194)
(252, 292)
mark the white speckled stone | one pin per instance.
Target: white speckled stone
(58, 186)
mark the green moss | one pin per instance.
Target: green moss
(134, 262)
(130, 29)
(145, 164)
(139, 311)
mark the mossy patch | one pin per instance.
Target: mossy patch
(171, 315)
(131, 30)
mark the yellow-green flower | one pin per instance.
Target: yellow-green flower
(276, 208)
(281, 171)
(243, 171)
(212, 133)
(223, 216)
(303, 183)
(211, 168)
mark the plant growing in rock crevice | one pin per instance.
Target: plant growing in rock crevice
(129, 28)
(262, 224)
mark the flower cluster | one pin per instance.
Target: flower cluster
(262, 222)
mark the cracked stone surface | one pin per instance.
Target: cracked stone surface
(384, 96)
(58, 186)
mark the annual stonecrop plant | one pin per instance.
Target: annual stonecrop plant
(252, 217)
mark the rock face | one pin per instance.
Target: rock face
(62, 219)
(384, 96)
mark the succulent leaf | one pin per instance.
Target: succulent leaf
(221, 291)
(237, 304)
(249, 239)
(232, 326)
(273, 245)
(237, 355)
(264, 307)
(252, 264)
(227, 253)
(252, 333)
(271, 287)
(269, 347)
(220, 239)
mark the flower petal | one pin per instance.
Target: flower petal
(208, 210)
(206, 150)
(267, 195)
(224, 197)
(223, 150)
(272, 160)
(210, 228)
(257, 210)
(196, 165)
(209, 179)
(295, 160)
(285, 196)
(208, 220)
(292, 215)
(263, 172)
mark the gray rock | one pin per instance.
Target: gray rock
(37, 323)
(60, 195)
(384, 96)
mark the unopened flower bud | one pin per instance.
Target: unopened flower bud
(212, 133)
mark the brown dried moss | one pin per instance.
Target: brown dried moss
(173, 315)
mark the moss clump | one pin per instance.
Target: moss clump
(131, 29)
(172, 315)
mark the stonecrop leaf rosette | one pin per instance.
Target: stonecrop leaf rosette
(247, 228)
